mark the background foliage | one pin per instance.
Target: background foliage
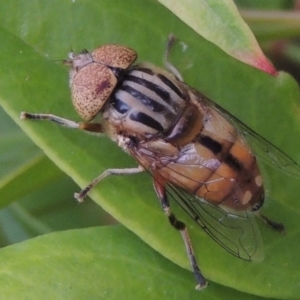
(37, 196)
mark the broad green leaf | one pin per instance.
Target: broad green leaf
(42, 189)
(28, 178)
(96, 263)
(50, 207)
(24, 167)
(220, 23)
(36, 34)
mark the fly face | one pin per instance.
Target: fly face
(195, 151)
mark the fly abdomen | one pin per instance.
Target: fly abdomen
(236, 181)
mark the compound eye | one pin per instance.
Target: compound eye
(92, 80)
(91, 88)
(114, 56)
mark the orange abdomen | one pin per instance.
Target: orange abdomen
(232, 180)
(216, 165)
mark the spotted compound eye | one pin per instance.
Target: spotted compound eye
(114, 56)
(92, 78)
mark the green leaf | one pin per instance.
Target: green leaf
(220, 23)
(35, 34)
(29, 176)
(13, 161)
(96, 263)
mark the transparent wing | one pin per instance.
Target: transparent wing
(260, 146)
(236, 232)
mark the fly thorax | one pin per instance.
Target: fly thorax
(146, 102)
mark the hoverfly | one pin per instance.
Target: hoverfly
(194, 150)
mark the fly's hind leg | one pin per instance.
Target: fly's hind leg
(177, 224)
(274, 225)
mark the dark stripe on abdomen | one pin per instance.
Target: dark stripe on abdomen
(233, 162)
(146, 120)
(214, 146)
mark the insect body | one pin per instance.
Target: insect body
(192, 148)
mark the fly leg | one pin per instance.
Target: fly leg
(82, 194)
(90, 127)
(177, 224)
(276, 226)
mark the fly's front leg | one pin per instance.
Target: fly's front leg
(82, 194)
(161, 193)
(90, 127)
